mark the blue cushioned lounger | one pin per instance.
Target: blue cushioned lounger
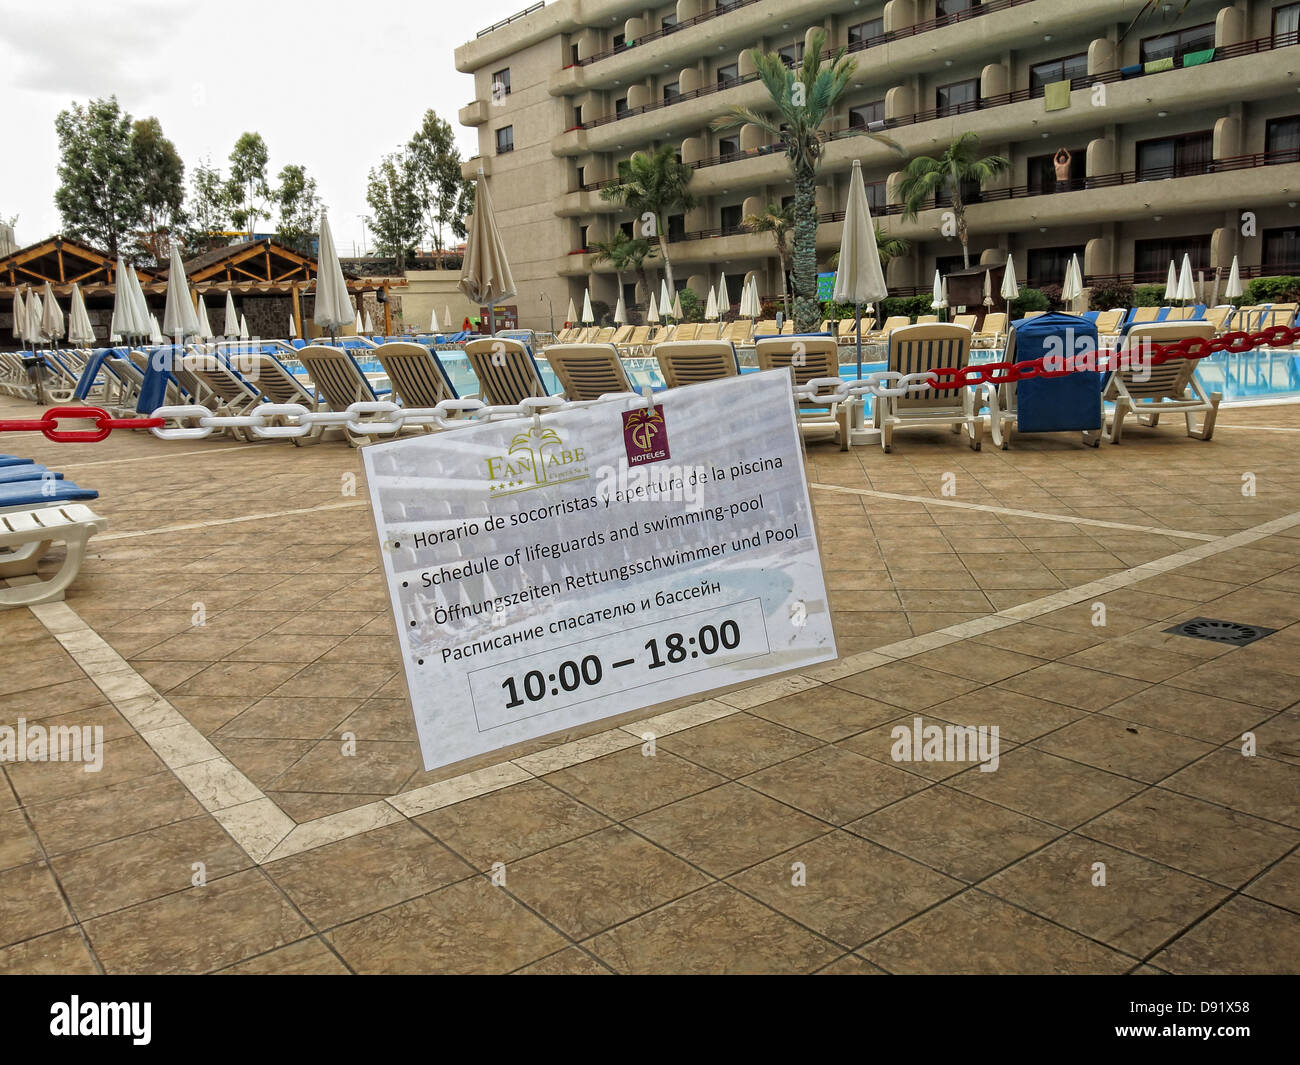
(29, 494)
(30, 471)
(13, 460)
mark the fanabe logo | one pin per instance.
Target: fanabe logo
(536, 457)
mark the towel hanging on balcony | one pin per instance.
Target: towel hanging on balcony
(1056, 95)
(1157, 65)
(1131, 71)
(1193, 59)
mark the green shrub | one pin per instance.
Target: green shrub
(692, 308)
(1104, 297)
(1148, 296)
(1272, 290)
(1030, 299)
(912, 306)
(600, 310)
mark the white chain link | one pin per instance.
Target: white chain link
(382, 418)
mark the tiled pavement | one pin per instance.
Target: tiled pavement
(1120, 744)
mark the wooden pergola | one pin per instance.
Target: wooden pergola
(62, 262)
(251, 268)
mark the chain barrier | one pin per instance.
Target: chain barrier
(282, 421)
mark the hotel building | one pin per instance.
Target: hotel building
(1183, 133)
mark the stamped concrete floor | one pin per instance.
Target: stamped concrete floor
(231, 633)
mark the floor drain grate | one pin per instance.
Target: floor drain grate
(1233, 632)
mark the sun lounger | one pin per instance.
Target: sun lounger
(787, 327)
(767, 328)
(26, 536)
(710, 331)
(687, 331)
(738, 332)
(848, 329)
(23, 495)
(588, 371)
(416, 374)
(967, 321)
(27, 471)
(689, 362)
(637, 339)
(915, 349)
(810, 359)
(620, 335)
(1147, 392)
(927, 319)
(1047, 405)
(1108, 322)
(1219, 317)
(505, 370)
(993, 332)
(339, 382)
(897, 321)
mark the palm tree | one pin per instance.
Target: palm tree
(624, 253)
(1150, 8)
(888, 248)
(804, 100)
(654, 185)
(960, 165)
(779, 221)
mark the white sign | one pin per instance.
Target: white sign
(550, 572)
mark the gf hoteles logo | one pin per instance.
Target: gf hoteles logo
(645, 435)
(536, 457)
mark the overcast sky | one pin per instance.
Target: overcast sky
(333, 86)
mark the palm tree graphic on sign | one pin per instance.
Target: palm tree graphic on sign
(535, 444)
(643, 424)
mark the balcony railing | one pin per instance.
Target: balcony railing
(1232, 51)
(1097, 181)
(513, 18)
(654, 35)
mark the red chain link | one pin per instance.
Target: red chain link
(999, 373)
(946, 377)
(48, 424)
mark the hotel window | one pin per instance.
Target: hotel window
(620, 106)
(863, 32)
(876, 198)
(1282, 249)
(1047, 266)
(864, 114)
(1067, 69)
(958, 97)
(573, 55)
(729, 216)
(577, 115)
(582, 236)
(629, 293)
(668, 23)
(1151, 258)
(791, 54)
(787, 201)
(947, 8)
(971, 192)
(672, 91)
(501, 83)
(505, 140)
(1178, 43)
(582, 176)
(728, 74)
(619, 41)
(1041, 171)
(676, 226)
(626, 227)
(1282, 139)
(1188, 155)
(1286, 24)
(948, 264)
(728, 146)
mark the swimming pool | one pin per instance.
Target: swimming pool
(1265, 374)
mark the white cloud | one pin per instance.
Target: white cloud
(331, 85)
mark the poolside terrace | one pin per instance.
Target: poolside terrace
(227, 741)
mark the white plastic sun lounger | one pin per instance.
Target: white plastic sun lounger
(26, 537)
